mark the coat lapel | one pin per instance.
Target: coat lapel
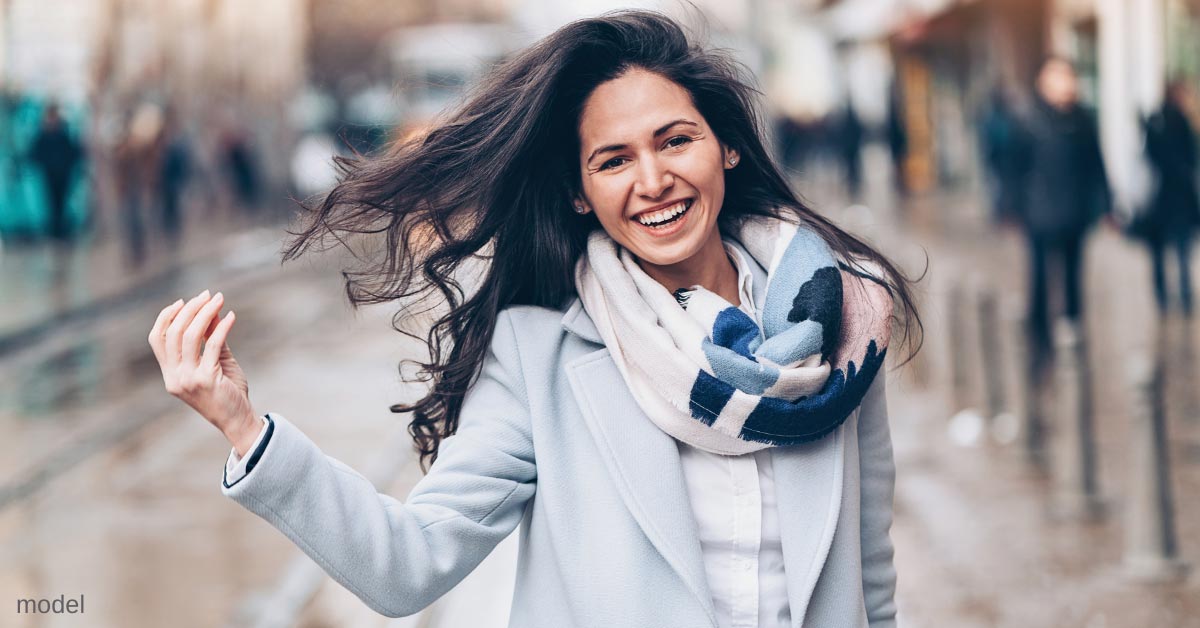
(642, 460)
(808, 491)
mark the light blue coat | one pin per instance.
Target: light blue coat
(550, 438)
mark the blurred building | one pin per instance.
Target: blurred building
(348, 37)
(216, 64)
(1126, 51)
(949, 65)
(211, 64)
(952, 57)
(186, 51)
(48, 51)
(945, 59)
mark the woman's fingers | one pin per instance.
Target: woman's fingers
(196, 363)
(174, 341)
(193, 336)
(212, 348)
(158, 333)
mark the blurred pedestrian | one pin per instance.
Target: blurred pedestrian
(174, 171)
(850, 139)
(241, 166)
(800, 142)
(56, 154)
(1067, 192)
(897, 136)
(1006, 153)
(139, 163)
(790, 142)
(653, 317)
(1174, 211)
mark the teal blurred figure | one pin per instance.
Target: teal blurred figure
(26, 209)
(57, 155)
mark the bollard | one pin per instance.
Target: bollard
(1151, 546)
(1186, 371)
(991, 363)
(967, 425)
(1027, 384)
(1076, 496)
(921, 368)
(959, 352)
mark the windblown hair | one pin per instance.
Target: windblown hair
(488, 193)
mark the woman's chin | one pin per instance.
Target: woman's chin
(667, 254)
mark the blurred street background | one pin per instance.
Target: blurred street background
(1047, 437)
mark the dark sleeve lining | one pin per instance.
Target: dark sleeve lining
(256, 454)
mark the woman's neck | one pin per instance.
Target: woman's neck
(709, 267)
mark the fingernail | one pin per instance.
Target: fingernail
(204, 294)
(177, 302)
(218, 296)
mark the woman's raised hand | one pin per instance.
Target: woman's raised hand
(188, 340)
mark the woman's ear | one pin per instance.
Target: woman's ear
(731, 158)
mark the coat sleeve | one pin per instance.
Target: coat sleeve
(877, 471)
(399, 557)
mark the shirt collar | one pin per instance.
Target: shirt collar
(745, 278)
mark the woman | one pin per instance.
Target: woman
(662, 375)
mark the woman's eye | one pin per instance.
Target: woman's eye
(679, 140)
(612, 163)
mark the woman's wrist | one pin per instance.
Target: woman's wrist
(243, 434)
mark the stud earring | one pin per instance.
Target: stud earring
(580, 209)
(733, 161)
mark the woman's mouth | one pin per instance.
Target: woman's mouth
(662, 220)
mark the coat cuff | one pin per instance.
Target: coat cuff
(236, 469)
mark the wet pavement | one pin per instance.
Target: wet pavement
(128, 508)
(110, 488)
(976, 542)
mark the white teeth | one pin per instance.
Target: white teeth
(665, 214)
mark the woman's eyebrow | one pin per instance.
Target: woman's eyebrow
(657, 132)
(667, 127)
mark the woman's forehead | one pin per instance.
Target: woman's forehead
(632, 106)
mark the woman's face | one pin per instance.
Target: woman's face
(652, 169)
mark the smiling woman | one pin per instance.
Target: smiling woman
(658, 189)
(680, 360)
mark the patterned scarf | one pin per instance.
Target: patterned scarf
(708, 375)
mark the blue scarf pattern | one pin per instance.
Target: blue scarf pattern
(709, 374)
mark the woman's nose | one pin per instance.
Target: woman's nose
(653, 179)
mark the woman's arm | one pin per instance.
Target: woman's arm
(401, 557)
(877, 473)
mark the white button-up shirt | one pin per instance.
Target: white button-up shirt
(733, 501)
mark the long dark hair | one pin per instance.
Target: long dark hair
(487, 195)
